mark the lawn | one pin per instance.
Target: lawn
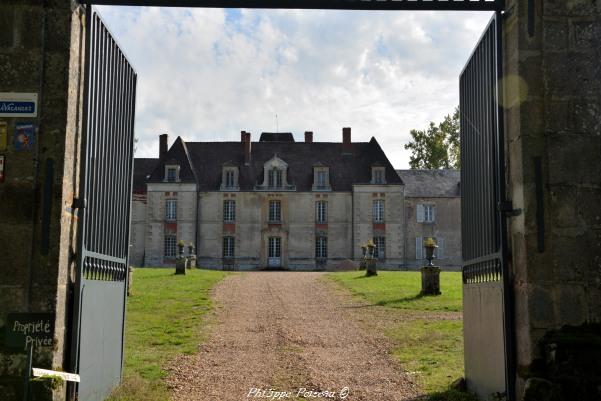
(428, 341)
(165, 315)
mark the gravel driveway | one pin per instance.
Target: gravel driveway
(287, 331)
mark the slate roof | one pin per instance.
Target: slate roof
(143, 167)
(276, 137)
(349, 164)
(177, 154)
(431, 183)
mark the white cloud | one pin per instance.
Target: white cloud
(207, 74)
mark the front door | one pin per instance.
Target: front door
(274, 252)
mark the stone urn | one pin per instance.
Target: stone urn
(430, 273)
(191, 256)
(363, 254)
(370, 260)
(181, 261)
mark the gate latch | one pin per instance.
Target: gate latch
(78, 203)
(507, 209)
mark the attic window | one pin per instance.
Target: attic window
(229, 178)
(378, 175)
(275, 178)
(171, 173)
(321, 179)
(275, 172)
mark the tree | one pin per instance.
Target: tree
(436, 147)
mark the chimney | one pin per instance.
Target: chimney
(163, 141)
(242, 136)
(309, 136)
(247, 148)
(346, 136)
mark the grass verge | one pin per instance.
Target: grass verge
(428, 341)
(164, 318)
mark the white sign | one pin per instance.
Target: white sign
(70, 377)
(14, 104)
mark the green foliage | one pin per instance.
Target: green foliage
(436, 147)
(433, 349)
(428, 336)
(402, 290)
(164, 318)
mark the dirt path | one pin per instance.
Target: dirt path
(287, 331)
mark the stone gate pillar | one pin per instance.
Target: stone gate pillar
(552, 99)
(41, 53)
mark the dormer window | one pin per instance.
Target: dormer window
(378, 175)
(321, 178)
(171, 173)
(229, 178)
(275, 178)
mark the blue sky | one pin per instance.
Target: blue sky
(207, 74)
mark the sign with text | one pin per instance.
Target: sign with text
(15, 104)
(29, 329)
(71, 377)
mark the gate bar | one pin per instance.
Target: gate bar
(508, 297)
(410, 5)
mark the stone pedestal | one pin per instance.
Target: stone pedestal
(130, 275)
(192, 261)
(370, 266)
(180, 265)
(430, 280)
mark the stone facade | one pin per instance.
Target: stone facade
(553, 117)
(199, 215)
(40, 51)
(432, 209)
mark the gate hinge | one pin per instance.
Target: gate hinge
(507, 209)
(78, 203)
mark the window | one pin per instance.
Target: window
(228, 247)
(378, 177)
(275, 178)
(229, 179)
(378, 211)
(171, 174)
(322, 179)
(170, 245)
(380, 249)
(420, 250)
(321, 211)
(229, 210)
(321, 247)
(171, 209)
(426, 213)
(275, 211)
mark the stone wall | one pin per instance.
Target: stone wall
(40, 51)
(392, 228)
(137, 229)
(446, 225)
(156, 226)
(552, 99)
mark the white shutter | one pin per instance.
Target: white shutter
(433, 213)
(440, 249)
(420, 213)
(419, 248)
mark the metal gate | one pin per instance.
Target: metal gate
(488, 329)
(104, 212)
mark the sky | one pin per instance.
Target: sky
(207, 74)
